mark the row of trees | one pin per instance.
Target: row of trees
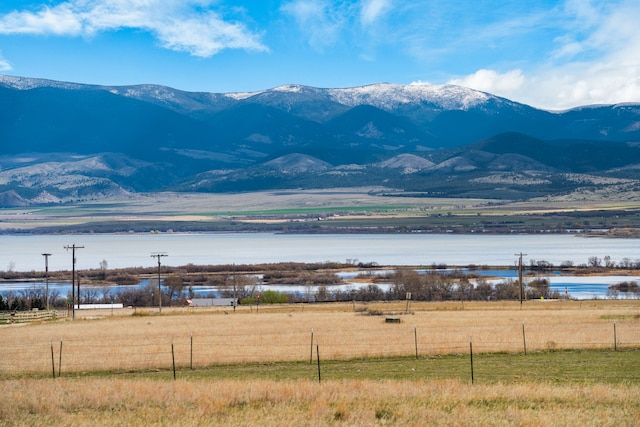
(593, 262)
(28, 299)
(433, 285)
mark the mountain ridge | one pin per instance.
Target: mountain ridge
(296, 136)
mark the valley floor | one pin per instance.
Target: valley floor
(336, 210)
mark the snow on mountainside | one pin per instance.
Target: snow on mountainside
(382, 95)
(388, 96)
(155, 94)
(385, 96)
(27, 83)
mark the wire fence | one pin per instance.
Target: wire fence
(409, 345)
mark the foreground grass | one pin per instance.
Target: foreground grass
(257, 368)
(142, 402)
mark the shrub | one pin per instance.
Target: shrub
(267, 297)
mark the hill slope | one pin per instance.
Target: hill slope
(66, 141)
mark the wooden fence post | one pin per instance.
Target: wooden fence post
(471, 356)
(60, 360)
(53, 362)
(318, 355)
(173, 359)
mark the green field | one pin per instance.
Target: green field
(555, 367)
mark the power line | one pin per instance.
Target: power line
(73, 278)
(159, 255)
(46, 278)
(520, 255)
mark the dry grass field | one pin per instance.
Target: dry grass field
(98, 340)
(121, 402)
(105, 356)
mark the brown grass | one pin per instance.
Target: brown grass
(355, 403)
(99, 341)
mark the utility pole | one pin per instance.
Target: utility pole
(520, 255)
(73, 279)
(234, 288)
(159, 255)
(46, 278)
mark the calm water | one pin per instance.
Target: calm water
(23, 253)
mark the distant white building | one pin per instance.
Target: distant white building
(99, 306)
(212, 302)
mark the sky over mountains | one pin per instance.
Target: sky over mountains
(548, 54)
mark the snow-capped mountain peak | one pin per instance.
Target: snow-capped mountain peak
(385, 96)
(388, 96)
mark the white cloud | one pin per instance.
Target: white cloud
(595, 61)
(326, 22)
(191, 26)
(373, 9)
(205, 36)
(559, 88)
(320, 21)
(492, 81)
(60, 20)
(4, 65)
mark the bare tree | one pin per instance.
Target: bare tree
(245, 286)
(594, 261)
(626, 263)
(608, 262)
(507, 289)
(484, 290)
(566, 264)
(90, 295)
(174, 286)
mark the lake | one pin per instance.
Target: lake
(23, 252)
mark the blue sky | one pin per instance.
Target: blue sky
(549, 54)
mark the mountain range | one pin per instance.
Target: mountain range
(63, 142)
